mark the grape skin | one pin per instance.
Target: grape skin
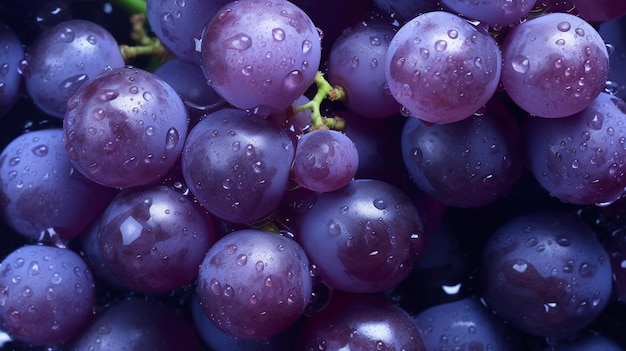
(491, 12)
(63, 58)
(254, 284)
(10, 79)
(554, 65)
(47, 294)
(261, 55)
(441, 68)
(125, 127)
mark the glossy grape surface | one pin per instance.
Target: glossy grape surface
(65, 57)
(125, 127)
(254, 284)
(364, 237)
(237, 165)
(261, 54)
(47, 294)
(491, 12)
(10, 78)
(554, 65)
(442, 68)
(580, 159)
(42, 192)
(153, 239)
(546, 274)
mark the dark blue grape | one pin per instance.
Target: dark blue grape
(47, 294)
(468, 163)
(546, 274)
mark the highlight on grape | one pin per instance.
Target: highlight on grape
(306, 175)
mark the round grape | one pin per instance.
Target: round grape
(10, 78)
(442, 68)
(261, 54)
(63, 58)
(554, 65)
(325, 160)
(364, 237)
(254, 284)
(546, 274)
(237, 165)
(492, 12)
(47, 294)
(125, 127)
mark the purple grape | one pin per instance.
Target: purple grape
(464, 325)
(179, 24)
(261, 55)
(63, 58)
(554, 65)
(357, 63)
(442, 68)
(93, 257)
(360, 322)
(492, 12)
(364, 237)
(237, 165)
(47, 294)
(546, 274)
(42, 193)
(135, 324)
(467, 163)
(254, 284)
(10, 78)
(325, 160)
(580, 159)
(153, 239)
(404, 10)
(125, 127)
(593, 342)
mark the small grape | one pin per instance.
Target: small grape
(325, 160)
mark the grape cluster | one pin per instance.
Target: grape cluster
(312, 175)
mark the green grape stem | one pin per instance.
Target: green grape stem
(324, 91)
(146, 45)
(131, 6)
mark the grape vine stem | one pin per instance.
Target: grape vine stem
(324, 91)
(146, 45)
(131, 6)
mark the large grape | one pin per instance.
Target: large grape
(254, 284)
(261, 54)
(63, 58)
(581, 159)
(47, 294)
(442, 68)
(153, 239)
(237, 165)
(10, 79)
(364, 237)
(125, 127)
(42, 192)
(554, 65)
(546, 274)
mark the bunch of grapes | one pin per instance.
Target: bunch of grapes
(305, 175)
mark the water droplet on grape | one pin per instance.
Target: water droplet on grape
(278, 34)
(40, 150)
(293, 80)
(520, 64)
(108, 95)
(172, 138)
(133, 90)
(67, 35)
(441, 45)
(240, 41)
(334, 228)
(563, 26)
(580, 31)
